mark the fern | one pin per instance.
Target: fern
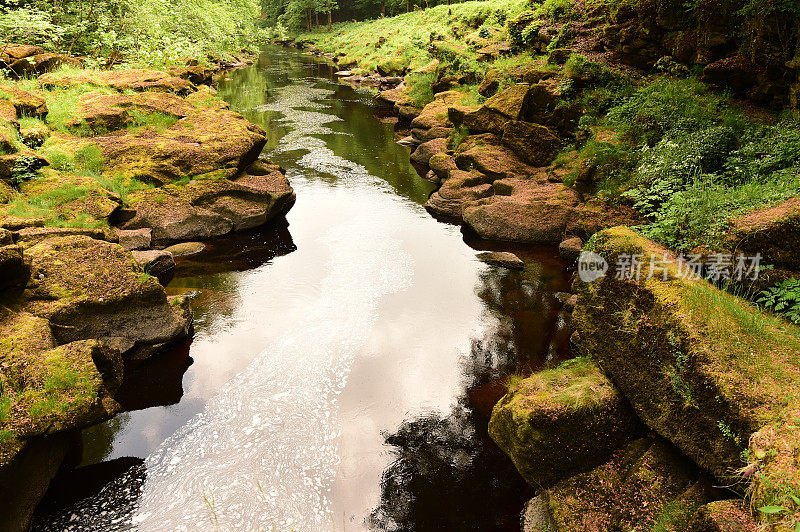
(783, 299)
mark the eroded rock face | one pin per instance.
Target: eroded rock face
(25, 103)
(25, 60)
(645, 484)
(89, 289)
(562, 421)
(536, 144)
(457, 190)
(686, 355)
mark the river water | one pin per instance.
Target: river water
(343, 365)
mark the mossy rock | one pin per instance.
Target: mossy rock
(26, 103)
(534, 143)
(211, 205)
(88, 288)
(561, 421)
(646, 486)
(100, 112)
(435, 113)
(14, 269)
(136, 79)
(705, 369)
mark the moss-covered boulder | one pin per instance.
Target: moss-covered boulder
(26, 103)
(534, 143)
(562, 421)
(646, 486)
(773, 232)
(435, 113)
(487, 154)
(422, 155)
(100, 112)
(512, 102)
(703, 368)
(45, 388)
(136, 79)
(205, 141)
(211, 205)
(89, 289)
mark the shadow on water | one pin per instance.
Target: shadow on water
(411, 445)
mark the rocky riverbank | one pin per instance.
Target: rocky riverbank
(103, 176)
(565, 128)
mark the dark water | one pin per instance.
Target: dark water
(343, 366)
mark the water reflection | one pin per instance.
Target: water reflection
(342, 374)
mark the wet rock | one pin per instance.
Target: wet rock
(723, 516)
(570, 249)
(686, 355)
(773, 232)
(135, 238)
(535, 213)
(424, 152)
(561, 421)
(534, 143)
(93, 289)
(646, 484)
(136, 79)
(157, 262)
(503, 259)
(185, 248)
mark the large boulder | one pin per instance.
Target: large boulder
(773, 232)
(205, 141)
(562, 421)
(89, 289)
(512, 102)
(208, 206)
(534, 212)
(703, 368)
(477, 118)
(435, 113)
(647, 485)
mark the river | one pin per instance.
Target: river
(343, 364)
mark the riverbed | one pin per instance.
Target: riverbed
(344, 362)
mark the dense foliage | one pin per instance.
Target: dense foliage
(137, 31)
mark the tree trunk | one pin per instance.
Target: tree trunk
(330, 19)
(408, 6)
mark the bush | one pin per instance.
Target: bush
(517, 25)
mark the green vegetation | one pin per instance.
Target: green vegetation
(783, 299)
(148, 32)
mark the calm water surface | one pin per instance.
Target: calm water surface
(343, 365)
